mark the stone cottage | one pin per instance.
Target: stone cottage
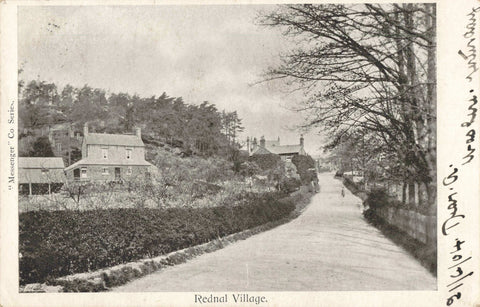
(110, 157)
(286, 152)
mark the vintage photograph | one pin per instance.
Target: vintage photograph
(209, 148)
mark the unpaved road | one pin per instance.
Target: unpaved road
(329, 247)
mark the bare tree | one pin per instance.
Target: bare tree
(367, 67)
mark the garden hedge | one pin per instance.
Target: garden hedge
(266, 161)
(303, 164)
(59, 243)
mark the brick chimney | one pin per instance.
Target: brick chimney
(85, 129)
(262, 141)
(138, 132)
(301, 139)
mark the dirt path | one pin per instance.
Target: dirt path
(329, 247)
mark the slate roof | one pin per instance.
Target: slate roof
(274, 147)
(285, 149)
(272, 143)
(113, 139)
(108, 162)
(40, 162)
(261, 151)
(40, 170)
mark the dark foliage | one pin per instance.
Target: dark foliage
(247, 168)
(377, 198)
(41, 148)
(195, 129)
(58, 243)
(265, 162)
(289, 185)
(305, 168)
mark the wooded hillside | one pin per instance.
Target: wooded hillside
(195, 129)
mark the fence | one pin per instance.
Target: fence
(418, 226)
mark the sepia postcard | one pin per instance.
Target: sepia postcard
(239, 153)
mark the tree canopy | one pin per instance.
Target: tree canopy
(367, 69)
(198, 128)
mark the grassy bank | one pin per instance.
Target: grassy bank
(375, 199)
(426, 255)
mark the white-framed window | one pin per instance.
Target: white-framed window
(45, 171)
(105, 171)
(128, 153)
(83, 172)
(105, 152)
(129, 170)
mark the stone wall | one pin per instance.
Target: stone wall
(418, 226)
(96, 172)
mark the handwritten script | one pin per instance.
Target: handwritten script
(458, 253)
(470, 54)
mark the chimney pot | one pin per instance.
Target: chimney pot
(138, 132)
(85, 129)
(262, 141)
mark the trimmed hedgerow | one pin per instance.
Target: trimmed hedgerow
(59, 243)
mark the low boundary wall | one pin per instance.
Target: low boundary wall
(418, 226)
(415, 232)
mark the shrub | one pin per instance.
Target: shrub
(377, 198)
(58, 243)
(267, 161)
(191, 168)
(291, 170)
(289, 185)
(248, 169)
(304, 165)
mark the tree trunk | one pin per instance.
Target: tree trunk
(432, 99)
(411, 192)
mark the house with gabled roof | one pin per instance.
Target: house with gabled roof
(286, 152)
(40, 175)
(110, 157)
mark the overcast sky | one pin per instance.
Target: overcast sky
(212, 53)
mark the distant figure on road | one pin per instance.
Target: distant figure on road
(343, 192)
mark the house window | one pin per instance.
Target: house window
(129, 170)
(45, 171)
(105, 153)
(83, 172)
(128, 153)
(105, 171)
